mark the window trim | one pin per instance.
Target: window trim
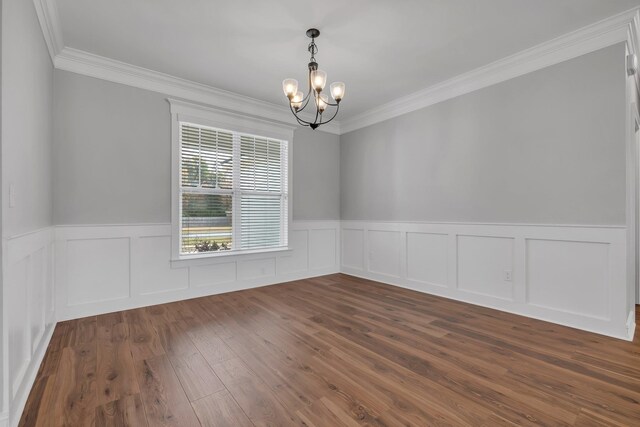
(182, 111)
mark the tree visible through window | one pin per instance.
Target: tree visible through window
(233, 191)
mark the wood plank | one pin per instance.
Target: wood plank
(174, 339)
(220, 410)
(210, 345)
(32, 409)
(145, 342)
(195, 375)
(125, 412)
(324, 412)
(115, 371)
(254, 397)
(165, 402)
(75, 387)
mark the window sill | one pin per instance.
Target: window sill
(226, 256)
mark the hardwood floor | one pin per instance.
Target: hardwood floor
(331, 351)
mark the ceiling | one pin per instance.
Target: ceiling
(381, 49)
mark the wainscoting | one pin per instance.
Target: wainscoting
(574, 276)
(28, 315)
(100, 269)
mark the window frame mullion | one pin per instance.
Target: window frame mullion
(236, 226)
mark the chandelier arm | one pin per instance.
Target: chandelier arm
(318, 113)
(305, 102)
(309, 91)
(300, 121)
(332, 117)
(308, 97)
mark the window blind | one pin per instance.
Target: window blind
(234, 193)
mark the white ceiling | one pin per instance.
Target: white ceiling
(381, 49)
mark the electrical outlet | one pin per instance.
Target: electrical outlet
(507, 275)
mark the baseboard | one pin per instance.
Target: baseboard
(486, 302)
(164, 298)
(631, 325)
(20, 400)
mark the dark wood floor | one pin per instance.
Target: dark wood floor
(331, 351)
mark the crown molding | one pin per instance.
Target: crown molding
(91, 65)
(615, 29)
(85, 63)
(47, 12)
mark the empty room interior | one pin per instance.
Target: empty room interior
(320, 213)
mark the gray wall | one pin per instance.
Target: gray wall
(112, 157)
(27, 76)
(547, 147)
(316, 175)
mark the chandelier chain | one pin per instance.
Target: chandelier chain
(313, 49)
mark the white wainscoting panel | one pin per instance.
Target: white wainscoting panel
(353, 249)
(571, 275)
(257, 268)
(28, 315)
(568, 276)
(298, 260)
(483, 262)
(427, 258)
(212, 275)
(384, 256)
(319, 240)
(101, 270)
(154, 273)
(106, 268)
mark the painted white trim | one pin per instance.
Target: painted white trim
(28, 269)
(227, 256)
(631, 324)
(314, 252)
(182, 111)
(91, 65)
(216, 117)
(492, 224)
(17, 406)
(47, 12)
(615, 29)
(607, 32)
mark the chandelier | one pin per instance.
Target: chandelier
(317, 80)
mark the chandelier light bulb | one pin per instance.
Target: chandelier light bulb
(337, 91)
(290, 87)
(296, 100)
(323, 100)
(318, 79)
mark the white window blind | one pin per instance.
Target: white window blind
(233, 191)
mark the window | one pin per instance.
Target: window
(232, 191)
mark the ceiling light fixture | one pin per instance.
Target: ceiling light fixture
(317, 81)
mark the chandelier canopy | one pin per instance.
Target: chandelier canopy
(317, 80)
